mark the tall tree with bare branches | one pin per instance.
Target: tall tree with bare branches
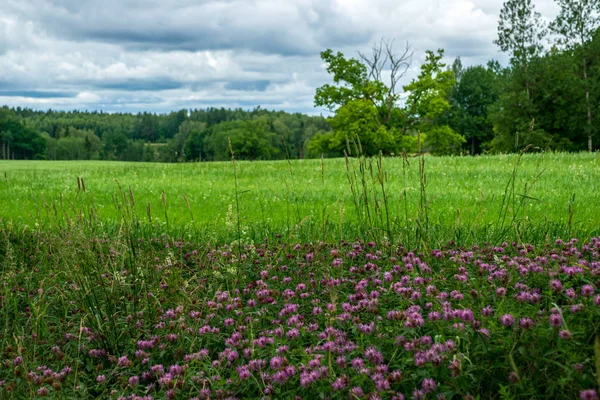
(364, 96)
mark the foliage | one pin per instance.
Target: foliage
(17, 140)
(475, 92)
(428, 102)
(355, 122)
(520, 31)
(428, 93)
(366, 109)
(547, 107)
(443, 140)
(350, 82)
(178, 136)
(576, 24)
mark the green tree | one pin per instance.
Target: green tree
(560, 103)
(114, 144)
(428, 101)
(146, 127)
(6, 139)
(355, 122)
(521, 31)
(575, 26)
(360, 86)
(18, 140)
(69, 148)
(28, 144)
(157, 131)
(516, 114)
(254, 140)
(471, 98)
(193, 146)
(8, 123)
(250, 140)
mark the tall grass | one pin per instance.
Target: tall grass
(84, 276)
(414, 200)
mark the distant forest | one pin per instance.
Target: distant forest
(185, 135)
(547, 97)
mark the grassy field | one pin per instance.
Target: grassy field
(460, 278)
(313, 199)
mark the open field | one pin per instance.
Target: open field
(311, 199)
(381, 286)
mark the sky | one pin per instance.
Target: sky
(166, 55)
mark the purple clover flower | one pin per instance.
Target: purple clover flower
(133, 381)
(565, 334)
(526, 323)
(556, 320)
(123, 361)
(589, 394)
(428, 385)
(587, 290)
(507, 320)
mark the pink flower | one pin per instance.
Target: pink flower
(428, 385)
(587, 290)
(589, 394)
(123, 361)
(133, 381)
(243, 372)
(358, 392)
(373, 355)
(526, 323)
(556, 320)
(339, 384)
(556, 285)
(507, 320)
(565, 334)
(276, 362)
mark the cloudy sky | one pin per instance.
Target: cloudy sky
(163, 55)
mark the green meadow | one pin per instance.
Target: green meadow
(454, 277)
(464, 198)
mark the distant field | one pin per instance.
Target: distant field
(275, 196)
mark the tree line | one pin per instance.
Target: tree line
(185, 135)
(547, 97)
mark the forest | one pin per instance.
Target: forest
(546, 97)
(185, 135)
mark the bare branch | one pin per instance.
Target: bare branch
(384, 58)
(376, 63)
(399, 65)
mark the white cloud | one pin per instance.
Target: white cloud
(161, 55)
